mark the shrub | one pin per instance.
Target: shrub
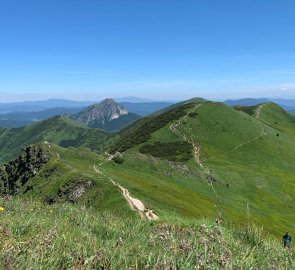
(174, 151)
(118, 159)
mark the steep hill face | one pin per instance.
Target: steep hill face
(107, 115)
(58, 130)
(235, 159)
(54, 174)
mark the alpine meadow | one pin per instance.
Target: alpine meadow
(147, 135)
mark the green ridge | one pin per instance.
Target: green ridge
(58, 130)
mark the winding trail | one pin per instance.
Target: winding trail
(197, 149)
(258, 111)
(134, 204)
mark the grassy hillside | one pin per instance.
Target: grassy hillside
(196, 160)
(242, 162)
(36, 236)
(58, 130)
(274, 116)
(53, 174)
(141, 130)
(200, 160)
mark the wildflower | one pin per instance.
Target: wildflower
(2, 209)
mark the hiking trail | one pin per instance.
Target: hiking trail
(258, 111)
(263, 133)
(197, 148)
(134, 203)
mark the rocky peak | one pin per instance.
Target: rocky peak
(104, 111)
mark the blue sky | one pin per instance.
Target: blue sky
(160, 49)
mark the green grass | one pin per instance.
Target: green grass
(260, 173)
(247, 163)
(36, 236)
(58, 130)
(67, 171)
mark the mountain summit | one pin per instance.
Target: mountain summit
(108, 115)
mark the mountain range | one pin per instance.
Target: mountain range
(196, 159)
(40, 105)
(25, 113)
(195, 173)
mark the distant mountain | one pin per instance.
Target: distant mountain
(145, 108)
(19, 119)
(41, 105)
(246, 101)
(287, 104)
(107, 115)
(134, 100)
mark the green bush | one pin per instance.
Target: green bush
(118, 159)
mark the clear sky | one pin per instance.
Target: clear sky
(160, 49)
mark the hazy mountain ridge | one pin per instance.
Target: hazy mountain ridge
(287, 104)
(19, 118)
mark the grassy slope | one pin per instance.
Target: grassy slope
(56, 130)
(59, 177)
(277, 118)
(260, 173)
(35, 236)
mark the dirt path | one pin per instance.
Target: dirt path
(49, 146)
(258, 111)
(196, 147)
(197, 156)
(135, 204)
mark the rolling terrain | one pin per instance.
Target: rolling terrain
(199, 160)
(239, 160)
(287, 104)
(59, 130)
